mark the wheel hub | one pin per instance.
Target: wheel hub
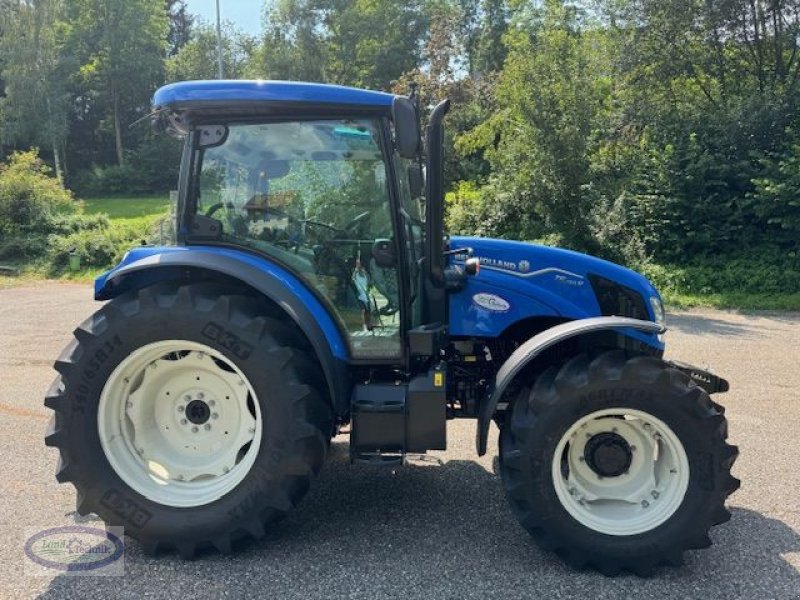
(198, 412)
(179, 423)
(620, 471)
(608, 454)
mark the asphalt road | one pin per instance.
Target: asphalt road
(426, 530)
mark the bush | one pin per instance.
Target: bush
(97, 247)
(768, 272)
(150, 169)
(39, 219)
(31, 199)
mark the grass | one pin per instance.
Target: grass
(121, 208)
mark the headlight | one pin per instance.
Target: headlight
(658, 311)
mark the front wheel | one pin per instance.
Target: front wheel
(617, 463)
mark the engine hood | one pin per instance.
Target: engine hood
(525, 280)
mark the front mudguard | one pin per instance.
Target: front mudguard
(538, 344)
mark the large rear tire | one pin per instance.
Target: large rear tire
(617, 463)
(190, 416)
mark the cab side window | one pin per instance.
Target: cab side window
(314, 196)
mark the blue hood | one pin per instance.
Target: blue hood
(528, 280)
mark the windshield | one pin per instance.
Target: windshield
(314, 195)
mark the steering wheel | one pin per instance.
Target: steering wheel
(356, 222)
(215, 207)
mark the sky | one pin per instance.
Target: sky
(245, 14)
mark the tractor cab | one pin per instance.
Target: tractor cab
(323, 180)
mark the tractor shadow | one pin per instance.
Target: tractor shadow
(427, 530)
(697, 324)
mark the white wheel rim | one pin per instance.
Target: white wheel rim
(638, 500)
(179, 423)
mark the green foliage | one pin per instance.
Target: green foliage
(660, 133)
(366, 43)
(31, 200)
(40, 222)
(776, 197)
(152, 168)
(539, 137)
(197, 59)
(768, 273)
(96, 247)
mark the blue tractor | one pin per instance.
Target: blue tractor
(313, 288)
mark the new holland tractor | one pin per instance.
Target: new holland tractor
(313, 289)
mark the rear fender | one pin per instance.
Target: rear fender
(144, 266)
(538, 344)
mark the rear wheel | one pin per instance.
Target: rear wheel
(189, 416)
(617, 463)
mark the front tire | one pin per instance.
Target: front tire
(617, 463)
(189, 415)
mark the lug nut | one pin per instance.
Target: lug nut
(194, 429)
(207, 426)
(645, 504)
(655, 494)
(211, 403)
(184, 421)
(214, 415)
(200, 395)
(187, 398)
(180, 408)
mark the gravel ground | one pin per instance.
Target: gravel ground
(426, 530)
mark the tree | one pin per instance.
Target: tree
(34, 69)
(121, 45)
(197, 59)
(180, 25)
(539, 137)
(365, 43)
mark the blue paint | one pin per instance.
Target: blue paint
(287, 280)
(537, 281)
(221, 91)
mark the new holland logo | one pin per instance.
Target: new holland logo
(524, 266)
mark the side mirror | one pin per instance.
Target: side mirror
(406, 127)
(416, 181)
(383, 253)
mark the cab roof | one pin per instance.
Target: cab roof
(221, 92)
